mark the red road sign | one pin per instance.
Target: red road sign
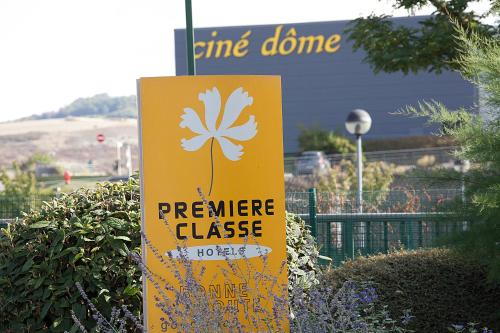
(100, 138)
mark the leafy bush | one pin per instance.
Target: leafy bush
(328, 141)
(84, 237)
(408, 142)
(302, 254)
(440, 287)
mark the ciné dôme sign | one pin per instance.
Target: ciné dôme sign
(280, 43)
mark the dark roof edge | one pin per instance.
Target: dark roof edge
(398, 18)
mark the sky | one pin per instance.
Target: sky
(55, 51)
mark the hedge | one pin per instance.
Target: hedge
(440, 287)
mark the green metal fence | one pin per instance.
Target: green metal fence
(12, 207)
(390, 220)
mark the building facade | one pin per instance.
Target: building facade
(322, 78)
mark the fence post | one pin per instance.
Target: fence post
(369, 249)
(386, 237)
(402, 234)
(420, 234)
(312, 212)
(436, 231)
(329, 239)
(349, 241)
(409, 231)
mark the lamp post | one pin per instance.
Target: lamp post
(358, 122)
(463, 167)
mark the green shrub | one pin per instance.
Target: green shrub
(328, 141)
(302, 254)
(81, 237)
(440, 287)
(408, 142)
(84, 237)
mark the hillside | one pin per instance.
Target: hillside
(101, 105)
(70, 141)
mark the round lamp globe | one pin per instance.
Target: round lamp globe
(358, 122)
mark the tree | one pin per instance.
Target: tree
(22, 183)
(19, 181)
(100, 105)
(479, 140)
(429, 46)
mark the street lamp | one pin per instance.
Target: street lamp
(462, 166)
(358, 122)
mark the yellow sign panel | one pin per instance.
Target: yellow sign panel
(223, 136)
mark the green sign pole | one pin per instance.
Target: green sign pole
(190, 39)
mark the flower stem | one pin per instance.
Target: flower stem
(212, 165)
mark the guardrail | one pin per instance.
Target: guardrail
(402, 156)
(406, 157)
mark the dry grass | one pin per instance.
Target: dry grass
(71, 141)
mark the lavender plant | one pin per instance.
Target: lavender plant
(117, 323)
(468, 328)
(351, 309)
(194, 309)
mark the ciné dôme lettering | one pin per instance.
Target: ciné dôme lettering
(222, 47)
(290, 43)
(282, 43)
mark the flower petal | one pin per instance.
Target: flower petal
(230, 150)
(236, 102)
(211, 98)
(194, 143)
(191, 120)
(243, 132)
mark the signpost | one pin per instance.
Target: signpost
(190, 38)
(223, 136)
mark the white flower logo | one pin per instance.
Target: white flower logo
(235, 104)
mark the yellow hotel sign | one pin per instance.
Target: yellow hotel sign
(223, 135)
